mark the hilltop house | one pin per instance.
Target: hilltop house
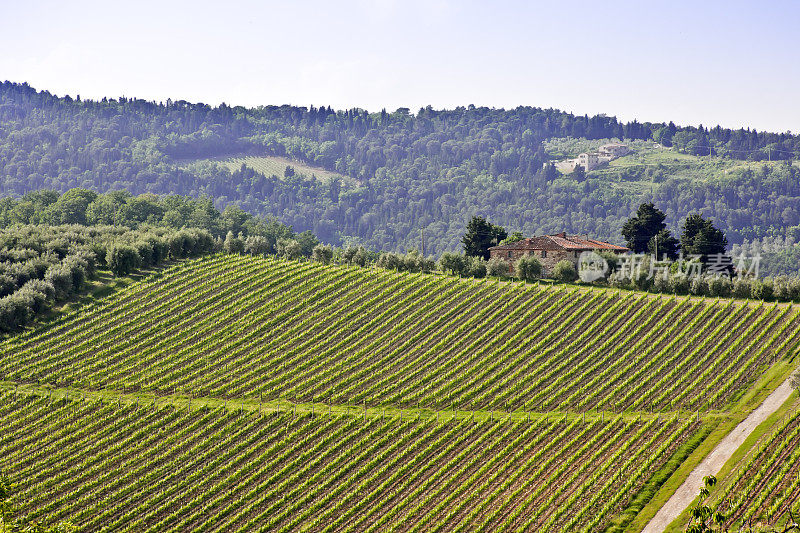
(550, 249)
(591, 160)
(613, 150)
(588, 161)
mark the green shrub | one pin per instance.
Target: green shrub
(528, 268)
(122, 259)
(498, 268)
(565, 271)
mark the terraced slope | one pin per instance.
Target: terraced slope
(140, 468)
(232, 327)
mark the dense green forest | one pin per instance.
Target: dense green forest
(430, 171)
(121, 208)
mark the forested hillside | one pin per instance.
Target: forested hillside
(409, 172)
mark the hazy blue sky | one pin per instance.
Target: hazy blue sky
(732, 63)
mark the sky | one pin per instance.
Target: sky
(703, 62)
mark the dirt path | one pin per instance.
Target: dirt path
(714, 462)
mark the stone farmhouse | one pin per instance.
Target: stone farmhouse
(550, 249)
(590, 161)
(613, 150)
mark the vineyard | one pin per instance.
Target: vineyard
(276, 166)
(766, 486)
(265, 328)
(127, 467)
(286, 370)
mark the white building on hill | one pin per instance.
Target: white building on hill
(591, 160)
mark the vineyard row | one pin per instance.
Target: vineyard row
(141, 468)
(237, 327)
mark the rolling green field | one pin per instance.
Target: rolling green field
(649, 163)
(276, 166)
(235, 393)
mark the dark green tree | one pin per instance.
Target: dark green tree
(233, 219)
(480, 236)
(663, 243)
(514, 237)
(710, 240)
(307, 242)
(641, 228)
(691, 227)
(701, 237)
(122, 259)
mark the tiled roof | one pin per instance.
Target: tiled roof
(560, 241)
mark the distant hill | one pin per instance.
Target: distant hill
(431, 170)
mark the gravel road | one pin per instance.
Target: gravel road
(714, 462)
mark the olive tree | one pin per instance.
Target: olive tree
(453, 263)
(121, 259)
(565, 271)
(289, 248)
(233, 244)
(498, 268)
(322, 254)
(528, 268)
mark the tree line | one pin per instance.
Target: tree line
(41, 265)
(123, 209)
(700, 238)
